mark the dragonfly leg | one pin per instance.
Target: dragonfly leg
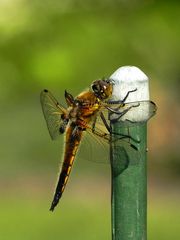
(117, 136)
(120, 136)
(119, 113)
(127, 137)
(105, 123)
(123, 100)
(124, 136)
(94, 124)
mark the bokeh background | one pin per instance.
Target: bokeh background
(62, 45)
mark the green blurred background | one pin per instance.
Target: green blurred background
(62, 45)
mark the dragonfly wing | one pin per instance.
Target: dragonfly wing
(52, 111)
(94, 148)
(133, 113)
(128, 114)
(98, 149)
(97, 142)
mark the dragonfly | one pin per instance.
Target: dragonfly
(89, 112)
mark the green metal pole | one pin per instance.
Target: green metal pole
(128, 165)
(129, 187)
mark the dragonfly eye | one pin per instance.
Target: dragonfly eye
(95, 88)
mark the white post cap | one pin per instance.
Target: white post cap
(126, 79)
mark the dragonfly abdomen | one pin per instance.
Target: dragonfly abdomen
(61, 185)
(71, 147)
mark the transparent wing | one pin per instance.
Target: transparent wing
(130, 116)
(97, 142)
(52, 111)
(98, 138)
(94, 148)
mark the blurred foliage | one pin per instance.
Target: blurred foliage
(57, 43)
(62, 45)
(30, 220)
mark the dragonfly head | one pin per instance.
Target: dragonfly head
(102, 88)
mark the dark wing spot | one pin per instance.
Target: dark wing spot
(61, 129)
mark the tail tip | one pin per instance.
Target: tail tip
(55, 201)
(52, 207)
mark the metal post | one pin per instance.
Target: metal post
(129, 171)
(129, 188)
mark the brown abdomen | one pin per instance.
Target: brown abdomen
(73, 138)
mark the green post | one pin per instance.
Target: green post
(129, 187)
(129, 164)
